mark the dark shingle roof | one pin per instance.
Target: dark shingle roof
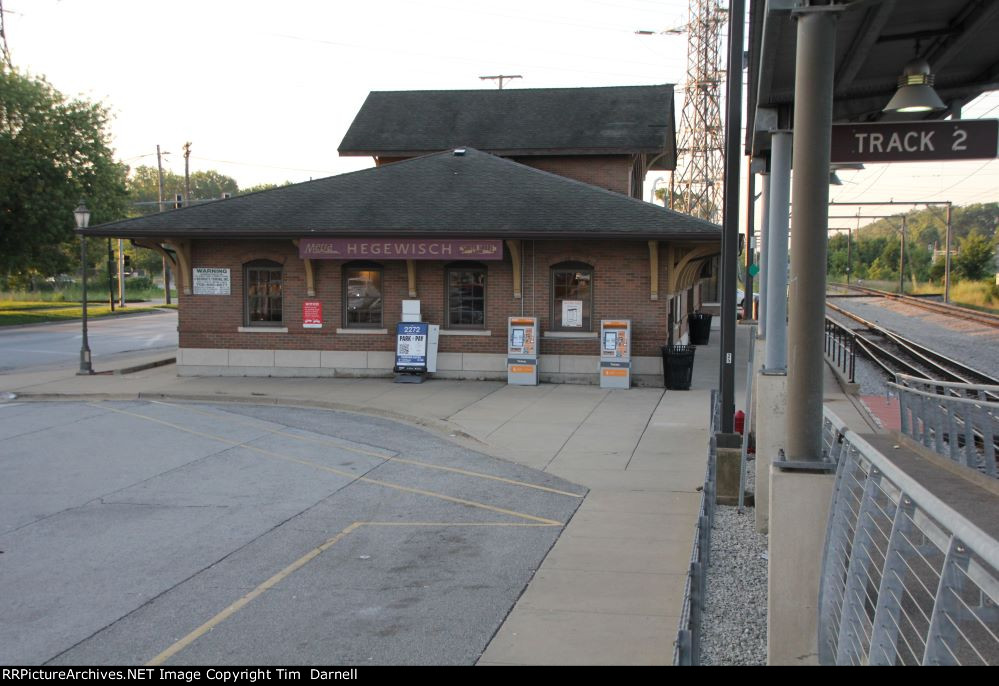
(445, 194)
(528, 121)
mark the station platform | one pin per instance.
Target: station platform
(610, 591)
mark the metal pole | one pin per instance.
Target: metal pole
(85, 367)
(166, 281)
(901, 259)
(121, 275)
(765, 241)
(747, 300)
(110, 275)
(730, 216)
(159, 167)
(813, 87)
(780, 202)
(947, 258)
(849, 255)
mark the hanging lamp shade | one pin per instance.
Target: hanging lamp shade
(915, 90)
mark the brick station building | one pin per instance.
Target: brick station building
(482, 205)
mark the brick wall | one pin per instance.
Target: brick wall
(613, 172)
(620, 290)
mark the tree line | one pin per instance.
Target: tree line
(876, 248)
(56, 150)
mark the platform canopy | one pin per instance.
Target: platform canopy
(875, 39)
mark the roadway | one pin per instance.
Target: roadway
(58, 344)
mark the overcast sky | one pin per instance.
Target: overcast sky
(265, 91)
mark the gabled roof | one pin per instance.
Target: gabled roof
(518, 121)
(473, 194)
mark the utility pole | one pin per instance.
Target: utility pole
(110, 275)
(166, 268)
(947, 259)
(121, 274)
(901, 260)
(187, 174)
(730, 220)
(500, 78)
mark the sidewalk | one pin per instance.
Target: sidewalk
(610, 590)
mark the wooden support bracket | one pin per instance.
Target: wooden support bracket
(310, 279)
(411, 277)
(182, 247)
(514, 246)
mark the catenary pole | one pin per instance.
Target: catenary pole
(730, 215)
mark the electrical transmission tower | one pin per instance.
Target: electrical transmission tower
(4, 50)
(696, 185)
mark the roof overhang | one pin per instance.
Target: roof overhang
(874, 41)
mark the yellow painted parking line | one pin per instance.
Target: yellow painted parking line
(339, 472)
(361, 451)
(249, 597)
(294, 567)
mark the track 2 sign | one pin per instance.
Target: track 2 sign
(960, 139)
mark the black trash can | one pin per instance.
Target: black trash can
(678, 366)
(700, 328)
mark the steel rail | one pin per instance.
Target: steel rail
(949, 368)
(956, 311)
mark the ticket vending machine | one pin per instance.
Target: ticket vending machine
(615, 353)
(522, 351)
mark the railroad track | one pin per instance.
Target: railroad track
(896, 354)
(930, 305)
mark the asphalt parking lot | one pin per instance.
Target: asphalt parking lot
(169, 533)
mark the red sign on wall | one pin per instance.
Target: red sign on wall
(312, 314)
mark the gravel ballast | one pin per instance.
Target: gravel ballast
(734, 630)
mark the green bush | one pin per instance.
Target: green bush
(138, 283)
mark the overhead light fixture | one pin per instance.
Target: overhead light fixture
(915, 90)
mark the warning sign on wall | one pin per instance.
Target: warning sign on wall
(312, 314)
(211, 281)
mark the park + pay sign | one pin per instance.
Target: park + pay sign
(411, 345)
(959, 139)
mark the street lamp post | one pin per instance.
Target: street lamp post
(82, 215)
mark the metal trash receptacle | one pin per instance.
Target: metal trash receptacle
(700, 328)
(678, 366)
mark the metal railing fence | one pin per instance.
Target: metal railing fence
(687, 646)
(906, 580)
(954, 420)
(841, 348)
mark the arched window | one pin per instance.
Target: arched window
(264, 302)
(465, 295)
(362, 295)
(572, 297)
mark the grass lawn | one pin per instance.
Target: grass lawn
(13, 313)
